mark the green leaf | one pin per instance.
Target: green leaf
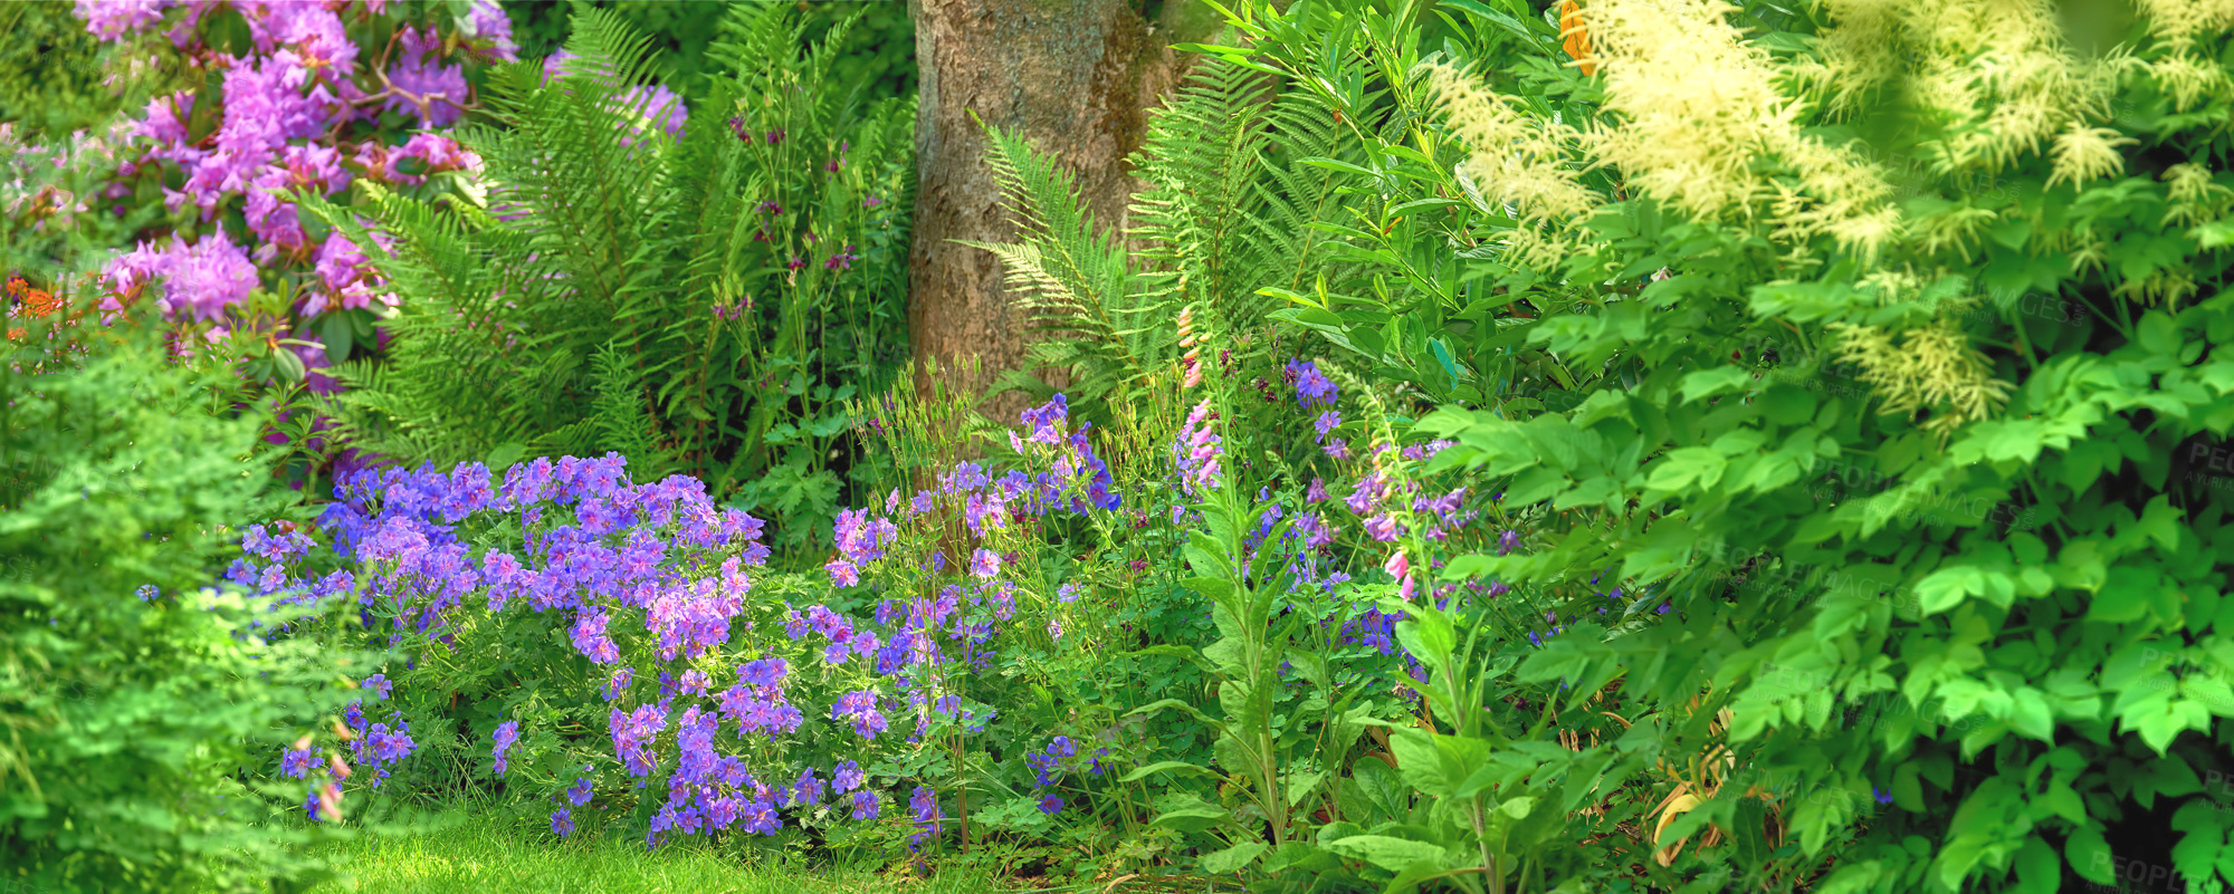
(1436, 764)
(1944, 589)
(1428, 635)
(1162, 767)
(1387, 852)
(2029, 715)
(337, 334)
(1710, 382)
(1233, 859)
(1160, 705)
(2125, 600)
(1687, 465)
(2159, 721)
(290, 365)
(1195, 818)
(2157, 334)
(1788, 404)
(1536, 485)
(2089, 855)
(504, 456)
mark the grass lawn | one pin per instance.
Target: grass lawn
(478, 855)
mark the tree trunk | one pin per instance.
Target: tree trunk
(1076, 78)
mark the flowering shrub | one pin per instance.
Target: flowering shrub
(280, 97)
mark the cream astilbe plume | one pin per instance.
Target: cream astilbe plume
(2088, 251)
(2170, 284)
(1858, 56)
(1949, 373)
(1934, 368)
(1890, 285)
(2180, 22)
(1520, 161)
(2184, 72)
(2193, 196)
(2087, 153)
(1695, 106)
(1960, 229)
(2188, 77)
(2001, 76)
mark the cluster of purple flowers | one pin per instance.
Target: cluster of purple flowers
(1077, 480)
(649, 104)
(651, 581)
(1378, 494)
(859, 708)
(1046, 764)
(1311, 386)
(288, 106)
(381, 746)
(928, 817)
(633, 573)
(507, 733)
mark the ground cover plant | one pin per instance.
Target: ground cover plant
(1624, 445)
(461, 850)
(134, 695)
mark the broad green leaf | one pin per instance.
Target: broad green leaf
(1233, 859)
(1387, 852)
(1707, 383)
(1683, 467)
(1428, 635)
(1163, 767)
(1193, 819)
(1945, 588)
(338, 335)
(1162, 704)
(2089, 855)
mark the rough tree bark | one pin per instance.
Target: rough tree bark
(1077, 78)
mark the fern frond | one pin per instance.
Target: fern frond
(1078, 291)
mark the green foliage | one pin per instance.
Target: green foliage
(50, 71)
(2004, 619)
(133, 695)
(1374, 193)
(1238, 207)
(466, 849)
(1244, 659)
(63, 115)
(704, 305)
(882, 58)
(1092, 316)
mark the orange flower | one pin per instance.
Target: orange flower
(40, 303)
(1574, 37)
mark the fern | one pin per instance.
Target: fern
(1071, 279)
(622, 418)
(602, 285)
(1237, 199)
